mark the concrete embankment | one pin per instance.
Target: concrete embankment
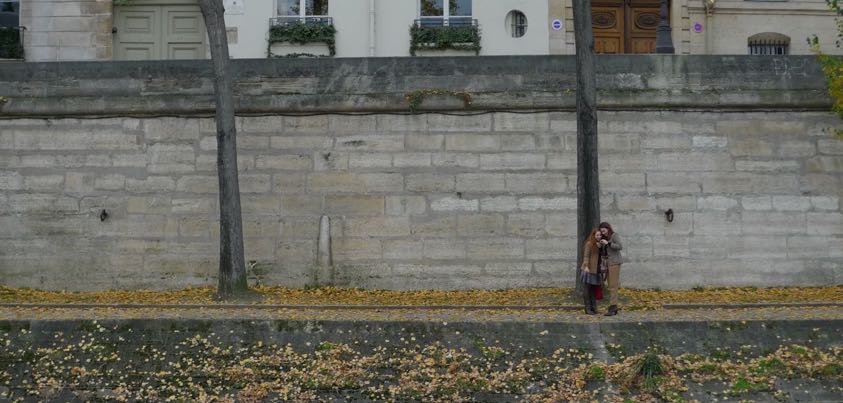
(229, 353)
(675, 332)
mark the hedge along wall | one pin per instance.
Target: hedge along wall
(482, 196)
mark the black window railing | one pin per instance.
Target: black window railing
(768, 43)
(768, 49)
(11, 42)
(436, 33)
(432, 22)
(291, 20)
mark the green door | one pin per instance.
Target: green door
(156, 32)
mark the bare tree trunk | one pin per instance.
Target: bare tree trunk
(232, 275)
(588, 184)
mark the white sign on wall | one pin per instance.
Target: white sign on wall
(233, 7)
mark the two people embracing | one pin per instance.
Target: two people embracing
(602, 261)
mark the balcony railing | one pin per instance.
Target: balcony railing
(300, 31)
(11, 42)
(291, 20)
(432, 22)
(438, 33)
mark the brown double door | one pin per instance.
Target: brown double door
(625, 26)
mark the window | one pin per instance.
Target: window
(769, 43)
(301, 8)
(11, 33)
(9, 13)
(290, 12)
(516, 23)
(434, 13)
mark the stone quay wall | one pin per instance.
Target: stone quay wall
(482, 196)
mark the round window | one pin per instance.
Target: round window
(516, 23)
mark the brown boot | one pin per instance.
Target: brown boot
(613, 310)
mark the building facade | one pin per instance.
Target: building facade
(55, 30)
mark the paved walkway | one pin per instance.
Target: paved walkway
(488, 313)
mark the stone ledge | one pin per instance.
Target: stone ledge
(675, 337)
(458, 307)
(276, 86)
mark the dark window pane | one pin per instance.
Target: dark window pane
(768, 49)
(432, 8)
(459, 21)
(518, 23)
(316, 7)
(460, 7)
(288, 7)
(432, 22)
(9, 13)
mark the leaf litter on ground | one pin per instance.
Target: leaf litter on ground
(630, 298)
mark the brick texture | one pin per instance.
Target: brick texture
(421, 201)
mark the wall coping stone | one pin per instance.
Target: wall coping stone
(380, 85)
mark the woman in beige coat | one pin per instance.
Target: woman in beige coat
(612, 242)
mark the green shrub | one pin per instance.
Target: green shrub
(302, 34)
(832, 67)
(445, 37)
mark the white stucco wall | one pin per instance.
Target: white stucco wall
(392, 27)
(392, 24)
(496, 40)
(732, 23)
(351, 18)
(252, 29)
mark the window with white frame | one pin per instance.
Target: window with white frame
(435, 12)
(301, 8)
(289, 12)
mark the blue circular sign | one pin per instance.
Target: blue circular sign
(556, 24)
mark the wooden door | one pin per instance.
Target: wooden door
(138, 33)
(608, 25)
(642, 22)
(625, 26)
(184, 33)
(155, 32)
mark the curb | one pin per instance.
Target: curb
(754, 305)
(299, 307)
(409, 307)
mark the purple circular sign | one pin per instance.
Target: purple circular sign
(697, 27)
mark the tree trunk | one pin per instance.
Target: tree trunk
(588, 184)
(232, 275)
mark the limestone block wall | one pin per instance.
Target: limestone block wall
(443, 198)
(60, 30)
(422, 201)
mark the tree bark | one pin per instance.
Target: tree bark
(588, 183)
(232, 274)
